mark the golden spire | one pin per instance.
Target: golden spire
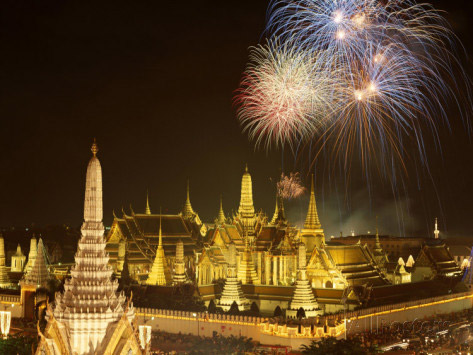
(188, 212)
(377, 246)
(160, 244)
(188, 198)
(436, 230)
(94, 148)
(221, 214)
(312, 220)
(246, 210)
(148, 210)
(279, 213)
(159, 274)
(246, 207)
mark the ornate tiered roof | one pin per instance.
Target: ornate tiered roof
(140, 231)
(356, 264)
(437, 256)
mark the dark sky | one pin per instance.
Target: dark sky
(153, 82)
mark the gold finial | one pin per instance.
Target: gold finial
(377, 234)
(221, 214)
(94, 148)
(377, 244)
(188, 194)
(160, 231)
(312, 219)
(148, 210)
(246, 167)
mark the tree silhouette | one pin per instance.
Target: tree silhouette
(277, 312)
(234, 309)
(254, 309)
(332, 346)
(125, 278)
(212, 308)
(300, 313)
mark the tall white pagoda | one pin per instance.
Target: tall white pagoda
(232, 291)
(90, 315)
(303, 296)
(39, 274)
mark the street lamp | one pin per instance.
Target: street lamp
(5, 320)
(198, 325)
(145, 335)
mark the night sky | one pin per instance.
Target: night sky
(153, 81)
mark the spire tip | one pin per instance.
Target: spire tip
(94, 148)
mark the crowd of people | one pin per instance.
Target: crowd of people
(167, 343)
(443, 331)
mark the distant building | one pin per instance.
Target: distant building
(394, 247)
(435, 261)
(18, 260)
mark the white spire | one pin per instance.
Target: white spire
(436, 230)
(32, 254)
(303, 296)
(90, 301)
(39, 273)
(232, 291)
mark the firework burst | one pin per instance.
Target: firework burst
(290, 186)
(357, 75)
(280, 100)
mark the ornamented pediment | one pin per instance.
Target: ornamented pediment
(121, 338)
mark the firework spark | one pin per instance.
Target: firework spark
(290, 187)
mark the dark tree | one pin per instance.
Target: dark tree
(254, 309)
(14, 344)
(234, 309)
(125, 278)
(300, 313)
(277, 312)
(212, 308)
(332, 346)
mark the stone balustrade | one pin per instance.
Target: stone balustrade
(10, 299)
(201, 316)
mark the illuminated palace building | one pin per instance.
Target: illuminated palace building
(249, 257)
